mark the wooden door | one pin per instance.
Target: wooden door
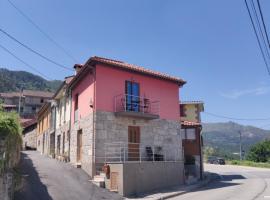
(114, 181)
(79, 145)
(133, 143)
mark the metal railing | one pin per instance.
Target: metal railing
(119, 152)
(131, 103)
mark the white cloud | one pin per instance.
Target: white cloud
(235, 94)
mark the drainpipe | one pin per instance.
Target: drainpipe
(69, 128)
(200, 148)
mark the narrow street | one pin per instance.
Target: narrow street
(49, 179)
(233, 183)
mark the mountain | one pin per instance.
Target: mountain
(11, 81)
(225, 136)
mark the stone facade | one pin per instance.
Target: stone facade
(62, 146)
(30, 139)
(156, 133)
(110, 129)
(86, 126)
(43, 143)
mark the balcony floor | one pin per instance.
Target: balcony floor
(136, 114)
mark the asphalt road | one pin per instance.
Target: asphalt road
(233, 183)
(48, 179)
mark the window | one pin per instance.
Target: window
(76, 102)
(76, 114)
(41, 100)
(188, 134)
(182, 111)
(132, 96)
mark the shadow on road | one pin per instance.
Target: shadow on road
(33, 188)
(222, 181)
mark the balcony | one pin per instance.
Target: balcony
(136, 106)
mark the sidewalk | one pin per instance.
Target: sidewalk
(175, 191)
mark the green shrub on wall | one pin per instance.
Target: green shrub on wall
(10, 140)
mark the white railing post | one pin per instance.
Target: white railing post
(105, 153)
(165, 155)
(153, 153)
(124, 153)
(140, 153)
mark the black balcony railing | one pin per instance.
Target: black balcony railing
(125, 103)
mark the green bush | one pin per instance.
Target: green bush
(10, 139)
(260, 152)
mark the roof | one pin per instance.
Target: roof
(67, 80)
(135, 68)
(36, 93)
(27, 122)
(189, 123)
(9, 94)
(43, 109)
(191, 102)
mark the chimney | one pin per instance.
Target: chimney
(77, 68)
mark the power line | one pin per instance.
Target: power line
(22, 61)
(264, 26)
(238, 119)
(42, 31)
(35, 52)
(260, 28)
(254, 28)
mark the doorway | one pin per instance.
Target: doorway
(133, 143)
(79, 145)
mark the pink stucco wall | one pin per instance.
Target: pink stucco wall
(111, 82)
(85, 90)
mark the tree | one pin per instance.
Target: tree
(260, 152)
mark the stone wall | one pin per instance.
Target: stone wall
(43, 143)
(86, 125)
(155, 133)
(134, 179)
(7, 185)
(30, 139)
(110, 129)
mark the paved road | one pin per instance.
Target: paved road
(233, 183)
(48, 179)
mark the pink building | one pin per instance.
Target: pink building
(126, 117)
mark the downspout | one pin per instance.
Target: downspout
(200, 148)
(69, 128)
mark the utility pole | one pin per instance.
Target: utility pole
(20, 99)
(240, 137)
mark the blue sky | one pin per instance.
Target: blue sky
(209, 43)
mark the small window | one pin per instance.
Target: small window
(76, 101)
(182, 111)
(41, 100)
(190, 134)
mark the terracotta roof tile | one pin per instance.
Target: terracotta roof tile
(136, 68)
(189, 123)
(37, 93)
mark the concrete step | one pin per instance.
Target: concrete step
(99, 178)
(77, 165)
(99, 183)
